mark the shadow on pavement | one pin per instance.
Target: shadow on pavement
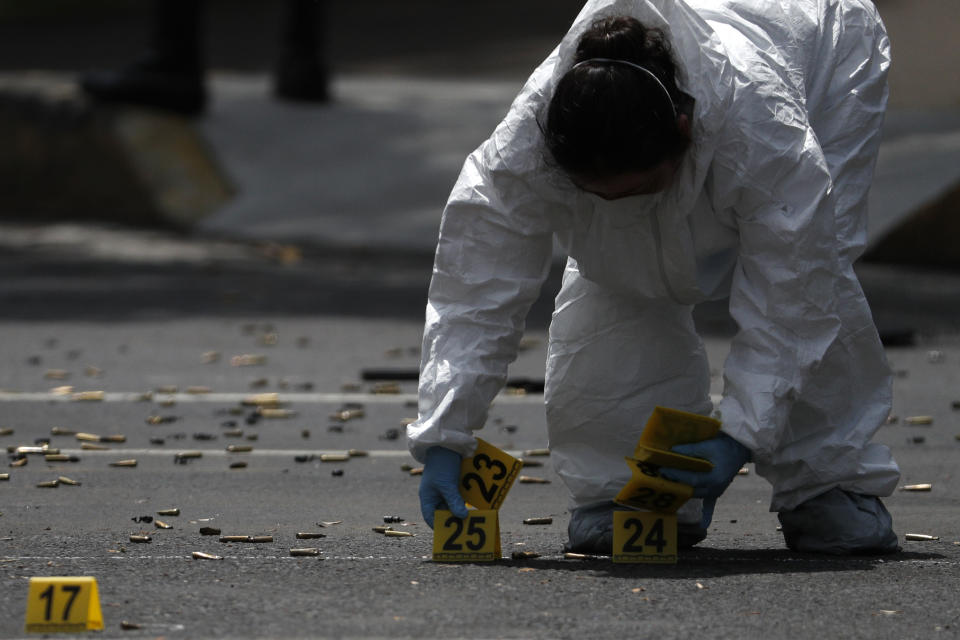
(718, 563)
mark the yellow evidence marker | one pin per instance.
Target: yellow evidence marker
(647, 489)
(640, 536)
(63, 604)
(669, 427)
(475, 538)
(486, 477)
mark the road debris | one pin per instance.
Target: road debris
(157, 419)
(744, 471)
(248, 360)
(304, 552)
(209, 357)
(209, 531)
(532, 480)
(336, 473)
(139, 519)
(198, 390)
(547, 520)
(60, 431)
(129, 626)
(935, 356)
(200, 555)
(345, 415)
(124, 463)
(240, 464)
(391, 519)
(917, 487)
(524, 555)
(328, 523)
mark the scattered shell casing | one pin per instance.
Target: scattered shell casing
(200, 555)
(920, 537)
(239, 448)
(116, 438)
(569, 555)
(49, 484)
(266, 412)
(260, 539)
(406, 467)
(357, 453)
(68, 481)
(87, 437)
(92, 372)
(209, 531)
(160, 524)
(167, 402)
(334, 457)
(198, 390)
(240, 464)
(530, 463)
(129, 626)
(269, 339)
(161, 419)
(917, 421)
(310, 535)
(140, 538)
(60, 431)
(124, 463)
(209, 357)
(62, 391)
(382, 529)
(234, 538)
(89, 396)
(417, 471)
(385, 388)
(248, 360)
(56, 374)
(532, 480)
(546, 520)
(6, 431)
(262, 400)
(304, 552)
(917, 487)
(38, 450)
(89, 446)
(524, 555)
(233, 433)
(22, 462)
(189, 454)
(390, 533)
(167, 389)
(4, 476)
(345, 415)
(536, 452)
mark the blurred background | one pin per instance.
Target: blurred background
(310, 206)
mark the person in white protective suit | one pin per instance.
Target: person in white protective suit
(679, 152)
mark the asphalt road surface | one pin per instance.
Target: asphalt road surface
(740, 582)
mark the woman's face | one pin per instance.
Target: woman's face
(632, 183)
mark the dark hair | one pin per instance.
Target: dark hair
(606, 118)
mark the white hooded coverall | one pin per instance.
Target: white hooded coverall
(768, 207)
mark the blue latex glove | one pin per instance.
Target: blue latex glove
(440, 484)
(727, 456)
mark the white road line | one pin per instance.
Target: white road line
(235, 398)
(376, 453)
